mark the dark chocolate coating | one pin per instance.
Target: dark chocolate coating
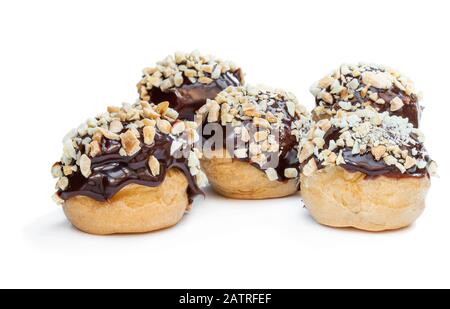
(367, 164)
(287, 156)
(189, 97)
(111, 171)
(411, 108)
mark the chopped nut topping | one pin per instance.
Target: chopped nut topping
(260, 122)
(154, 166)
(113, 109)
(149, 133)
(409, 162)
(390, 139)
(67, 170)
(378, 152)
(396, 104)
(85, 165)
(271, 174)
(130, 124)
(172, 71)
(151, 113)
(164, 126)
(261, 136)
(380, 80)
(178, 128)
(56, 170)
(357, 86)
(241, 153)
(130, 142)
(62, 183)
(95, 149)
(108, 134)
(259, 116)
(290, 173)
(306, 152)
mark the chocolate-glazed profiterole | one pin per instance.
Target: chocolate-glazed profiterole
(187, 80)
(138, 150)
(353, 87)
(252, 151)
(365, 169)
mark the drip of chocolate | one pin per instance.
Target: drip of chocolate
(287, 156)
(111, 171)
(189, 97)
(367, 164)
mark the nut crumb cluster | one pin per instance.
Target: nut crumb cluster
(390, 139)
(174, 71)
(133, 125)
(258, 116)
(353, 87)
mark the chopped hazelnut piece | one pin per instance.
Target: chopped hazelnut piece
(149, 133)
(271, 174)
(164, 126)
(261, 136)
(113, 109)
(409, 162)
(115, 126)
(56, 170)
(154, 165)
(178, 128)
(95, 149)
(149, 112)
(85, 165)
(378, 152)
(67, 170)
(62, 183)
(396, 104)
(130, 142)
(379, 80)
(290, 173)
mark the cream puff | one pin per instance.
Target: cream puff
(366, 170)
(354, 87)
(186, 81)
(251, 137)
(132, 169)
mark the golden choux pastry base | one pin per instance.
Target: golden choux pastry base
(134, 209)
(338, 198)
(240, 180)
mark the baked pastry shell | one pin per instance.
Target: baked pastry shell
(338, 198)
(134, 209)
(240, 180)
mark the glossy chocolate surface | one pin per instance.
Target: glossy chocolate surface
(111, 171)
(411, 108)
(189, 97)
(287, 156)
(367, 164)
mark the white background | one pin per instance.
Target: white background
(63, 61)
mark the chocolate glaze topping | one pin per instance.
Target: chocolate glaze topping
(411, 108)
(111, 171)
(189, 97)
(132, 144)
(286, 153)
(367, 141)
(366, 163)
(346, 85)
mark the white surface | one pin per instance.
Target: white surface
(61, 62)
